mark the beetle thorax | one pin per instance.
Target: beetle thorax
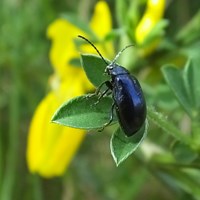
(114, 70)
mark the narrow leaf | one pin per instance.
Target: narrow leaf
(191, 75)
(183, 153)
(84, 112)
(190, 32)
(174, 79)
(187, 179)
(122, 146)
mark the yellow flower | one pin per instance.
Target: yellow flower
(51, 147)
(102, 15)
(153, 14)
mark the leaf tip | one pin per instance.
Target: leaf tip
(53, 118)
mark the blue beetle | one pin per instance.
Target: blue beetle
(129, 102)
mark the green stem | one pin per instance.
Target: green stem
(178, 165)
(12, 155)
(196, 134)
(1, 158)
(161, 121)
(37, 187)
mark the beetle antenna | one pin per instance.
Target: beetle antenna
(119, 53)
(80, 36)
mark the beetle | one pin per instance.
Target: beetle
(128, 98)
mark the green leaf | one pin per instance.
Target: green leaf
(94, 68)
(122, 146)
(185, 85)
(183, 153)
(190, 32)
(84, 112)
(174, 79)
(191, 75)
(187, 180)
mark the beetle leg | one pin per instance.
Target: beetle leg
(111, 118)
(111, 115)
(103, 94)
(99, 88)
(109, 87)
(108, 93)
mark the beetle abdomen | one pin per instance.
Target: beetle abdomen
(130, 103)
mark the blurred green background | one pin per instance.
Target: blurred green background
(24, 72)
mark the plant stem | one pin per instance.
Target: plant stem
(1, 158)
(161, 121)
(12, 155)
(37, 188)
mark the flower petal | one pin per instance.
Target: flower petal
(153, 13)
(51, 147)
(101, 25)
(101, 22)
(62, 34)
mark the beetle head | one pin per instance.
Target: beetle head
(114, 69)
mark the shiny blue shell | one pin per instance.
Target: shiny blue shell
(129, 100)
